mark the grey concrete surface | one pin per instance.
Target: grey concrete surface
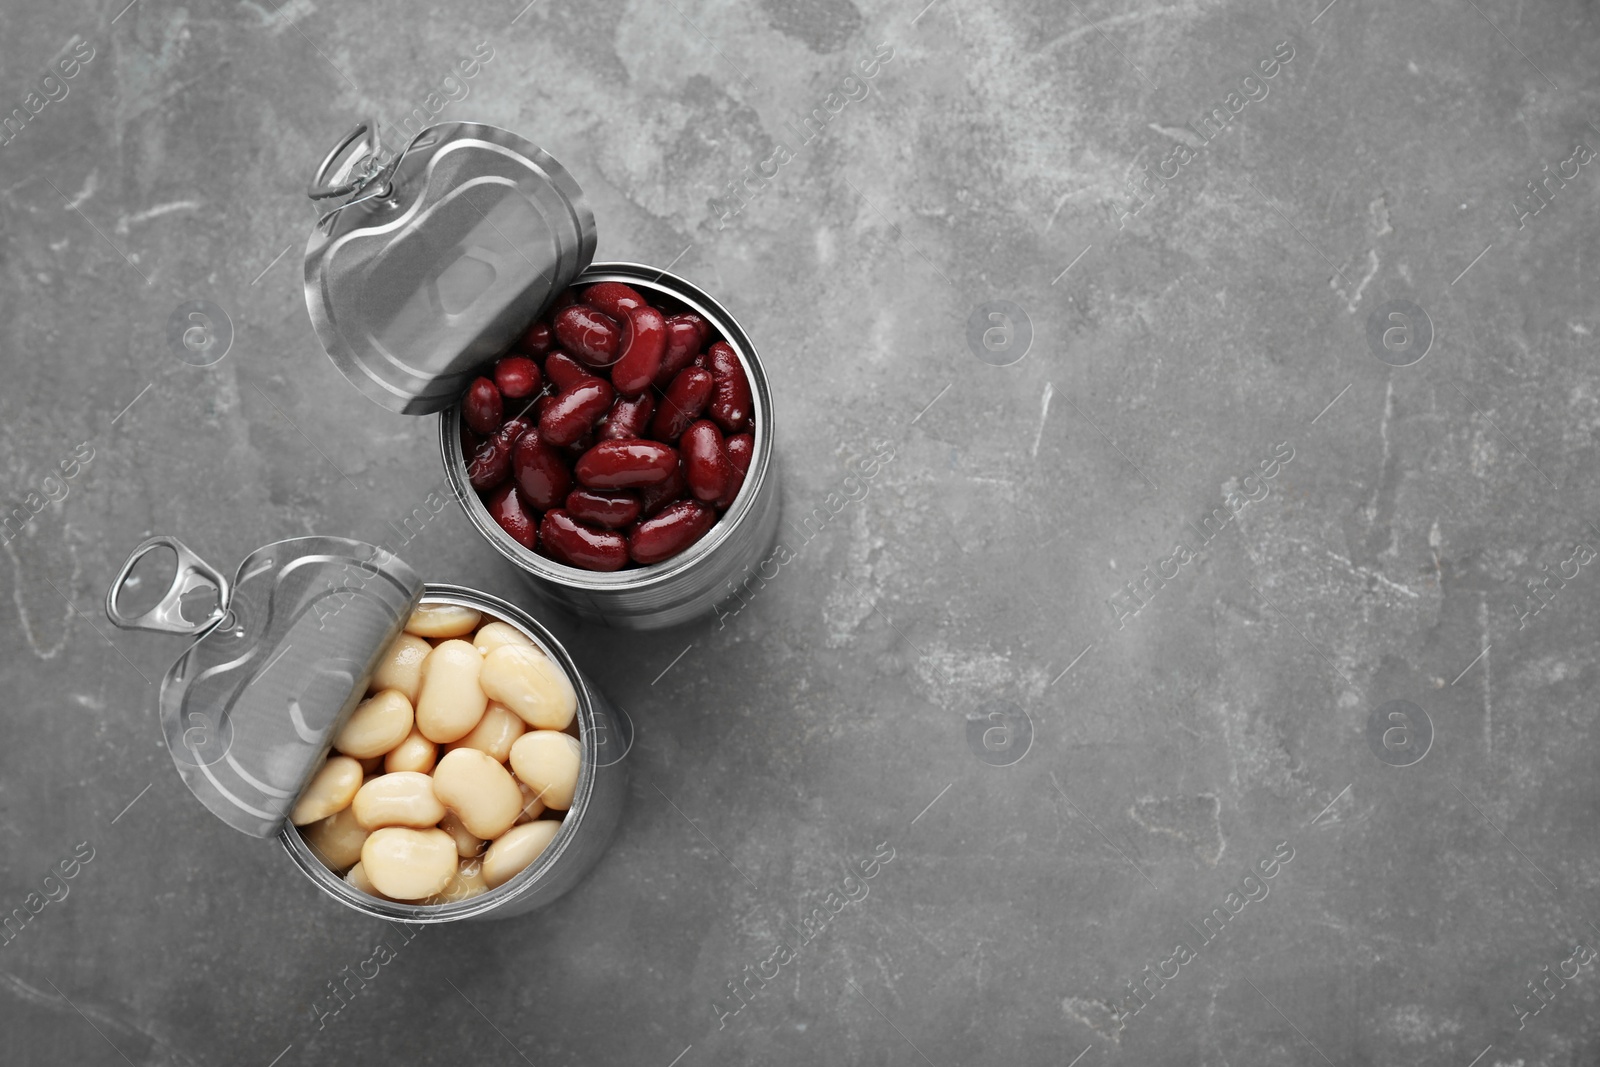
(1179, 336)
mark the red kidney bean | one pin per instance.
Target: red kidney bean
(579, 447)
(574, 410)
(678, 526)
(629, 417)
(644, 338)
(481, 407)
(613, 298)
(703, 326)
(491, 462)
(630, 464)
(730, 396)
(469, 440)
(611, 508)
(517, 377)
(589, 335)
(563, 370)
(566, 298)
(538, 340)
(569, 541)
(683, 342)
(508, 510)
(685, 399)
(655, 497)
(705, 464)
(489, 465)
(741, 449)
(539, 471)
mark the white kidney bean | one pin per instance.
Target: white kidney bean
(494, 733)
(330, 791)
(514, 850)
(442, 620)
(404, 798)
(525, 680)
(479, 790)
(452, 700)
(378, 724)
(548, 761)
(532, 806)
(494, 634)
(336, 840)
(467, 843)
(409, 864)
(415, 753)
(467, 883)
(401, 666)
(357, 876)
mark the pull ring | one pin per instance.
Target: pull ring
(354, 172)
(167, 616)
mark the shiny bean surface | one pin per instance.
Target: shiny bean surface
(479, 790)
(336, 840)
(401, 666)
(515, 850)
(616, 299)
(590, 335)
(612, 509)
(548, 761)
(404, 798)
(575, 410)
(409, 864)
(415, 753)
(481, 408)
(741, 449)
(331, 790)
(507, 508)
(495, 732)
(541, 474)
(451, 701)
(629, 417)
(467, 843)
(685, 399)
(577, 544)
(530, 684)
(378, 724)
(705, 464)
(683, 343)
(629, 464)
(442, 620)
(517, 377)
(674, 529)
(494, 634)
(644, 339)
(731, 404)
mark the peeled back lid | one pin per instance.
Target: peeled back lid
(251, 709)
(440, 258)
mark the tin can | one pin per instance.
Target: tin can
(438, 261)
(280, 661)
(704, 574)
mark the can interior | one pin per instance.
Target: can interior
(401, 911)
(679, 295)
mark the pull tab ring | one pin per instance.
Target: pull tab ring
(167, 616)
(356, 171)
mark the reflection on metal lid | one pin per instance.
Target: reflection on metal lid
(250, 710)
(470, 233)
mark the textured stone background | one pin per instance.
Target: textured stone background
(1229, 715)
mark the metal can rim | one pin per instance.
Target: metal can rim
(696, 555)
(571, 825)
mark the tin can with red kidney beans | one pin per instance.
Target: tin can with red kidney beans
(628, 472)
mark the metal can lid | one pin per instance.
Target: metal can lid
(281, 660)
(440, 258)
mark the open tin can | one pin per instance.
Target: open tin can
(441, 258)
(281, 660)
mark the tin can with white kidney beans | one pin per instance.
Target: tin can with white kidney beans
(441, 258)
(281, 661)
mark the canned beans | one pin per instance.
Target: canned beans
(638, 409)
(454, 774)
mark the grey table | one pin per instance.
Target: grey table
(1225, 410)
